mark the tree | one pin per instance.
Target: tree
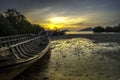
(37, 28)
(98, 29)
(117, 28)
(5, 26)
(109, 29)
(13, 22)
(14, 17)
(24, 27)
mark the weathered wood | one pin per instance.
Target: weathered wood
(20, 50)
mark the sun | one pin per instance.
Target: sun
(54, 27)
(56, 23)
(57, 20)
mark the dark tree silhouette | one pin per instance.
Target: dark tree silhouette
(5, 27)
(24, 27)
(109, 29)
(117, 28)
(98, 29)
(37, 28)
(13, 22)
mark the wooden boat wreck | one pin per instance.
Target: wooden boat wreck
(18, 52)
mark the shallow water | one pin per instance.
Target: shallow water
(90, 32)
(77, 59)
(80, 32)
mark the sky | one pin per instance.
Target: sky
(67, 14)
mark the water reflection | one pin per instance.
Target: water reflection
(90, 32)
(80, 32)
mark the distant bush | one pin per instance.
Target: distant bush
(98, 29)
(107, 29)
(117, 28)
(13, 22)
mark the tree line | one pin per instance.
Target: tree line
(107, 29)
(13, 22)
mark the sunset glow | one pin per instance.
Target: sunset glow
(64, 22)
(59, 39)
(54, 23)
(53, 26)
(57, 20)
(68, 14)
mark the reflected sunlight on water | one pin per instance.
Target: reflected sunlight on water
(80, 32)
(89, 32)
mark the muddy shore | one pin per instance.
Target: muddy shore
(78, 57)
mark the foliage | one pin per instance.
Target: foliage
(98, 29)
(13, 22)
(5, 26)
(117, 28)
(107, 29)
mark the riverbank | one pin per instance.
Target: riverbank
(78, 57)
(104, 37)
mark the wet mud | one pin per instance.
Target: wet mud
(77, 59)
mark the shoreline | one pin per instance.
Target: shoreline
(96, 37)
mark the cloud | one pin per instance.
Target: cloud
(78, 12)
(81, 23)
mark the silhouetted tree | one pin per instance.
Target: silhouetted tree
(5, 27)
(13, 22)
(24, 27)
(117, 28)
(109, 29)
(37, 28)
(14, 16)
(98, 29)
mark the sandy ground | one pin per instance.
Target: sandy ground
(78, 57)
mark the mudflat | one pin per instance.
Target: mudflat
(78, 57)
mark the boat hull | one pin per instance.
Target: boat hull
(8, 73)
